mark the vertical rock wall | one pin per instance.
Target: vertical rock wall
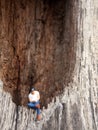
(38, 46)
(77, 107)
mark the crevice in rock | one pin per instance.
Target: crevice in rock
(16, 123)
(92, 110)
(16, 93)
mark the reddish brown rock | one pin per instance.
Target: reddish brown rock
(37, 47)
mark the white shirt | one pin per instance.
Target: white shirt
(34, 97)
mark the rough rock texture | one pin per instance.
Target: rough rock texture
(38, 46)
(77, 107)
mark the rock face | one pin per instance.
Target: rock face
(38, 46)
(52, 43)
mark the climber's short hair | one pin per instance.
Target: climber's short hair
(32, 89)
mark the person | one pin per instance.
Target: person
(34, 102)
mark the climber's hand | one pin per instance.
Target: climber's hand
(38, 105)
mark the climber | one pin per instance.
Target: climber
(34, 103)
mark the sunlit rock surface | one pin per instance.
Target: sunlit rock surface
(77, 107)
